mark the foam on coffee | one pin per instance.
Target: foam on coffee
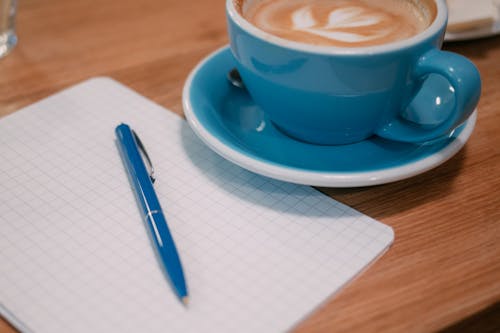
(341, 23)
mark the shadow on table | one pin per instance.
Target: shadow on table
(393, 198)
(474, 48)
(486, 321)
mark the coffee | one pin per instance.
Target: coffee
(340, 23)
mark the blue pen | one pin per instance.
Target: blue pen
(142, 182)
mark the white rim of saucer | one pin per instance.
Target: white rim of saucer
(439, 21)
(317, 178)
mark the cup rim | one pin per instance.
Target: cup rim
(439, 21)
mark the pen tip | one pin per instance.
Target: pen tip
(185, 300)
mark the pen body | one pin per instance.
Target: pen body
(150, 206)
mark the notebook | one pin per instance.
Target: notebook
(258, 254)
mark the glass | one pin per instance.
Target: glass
(8, 38)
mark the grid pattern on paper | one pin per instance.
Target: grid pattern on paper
(258, 254)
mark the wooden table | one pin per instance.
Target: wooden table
(445, 263)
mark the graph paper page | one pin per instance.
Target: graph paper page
(258, 254)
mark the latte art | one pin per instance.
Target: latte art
(348, 23)
(342, 24)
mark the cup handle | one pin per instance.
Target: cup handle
(462, 75)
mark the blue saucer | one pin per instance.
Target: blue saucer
(228, 121)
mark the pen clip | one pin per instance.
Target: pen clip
(145, 154)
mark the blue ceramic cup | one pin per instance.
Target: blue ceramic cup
(340, 95)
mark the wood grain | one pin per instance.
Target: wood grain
(445, 263)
